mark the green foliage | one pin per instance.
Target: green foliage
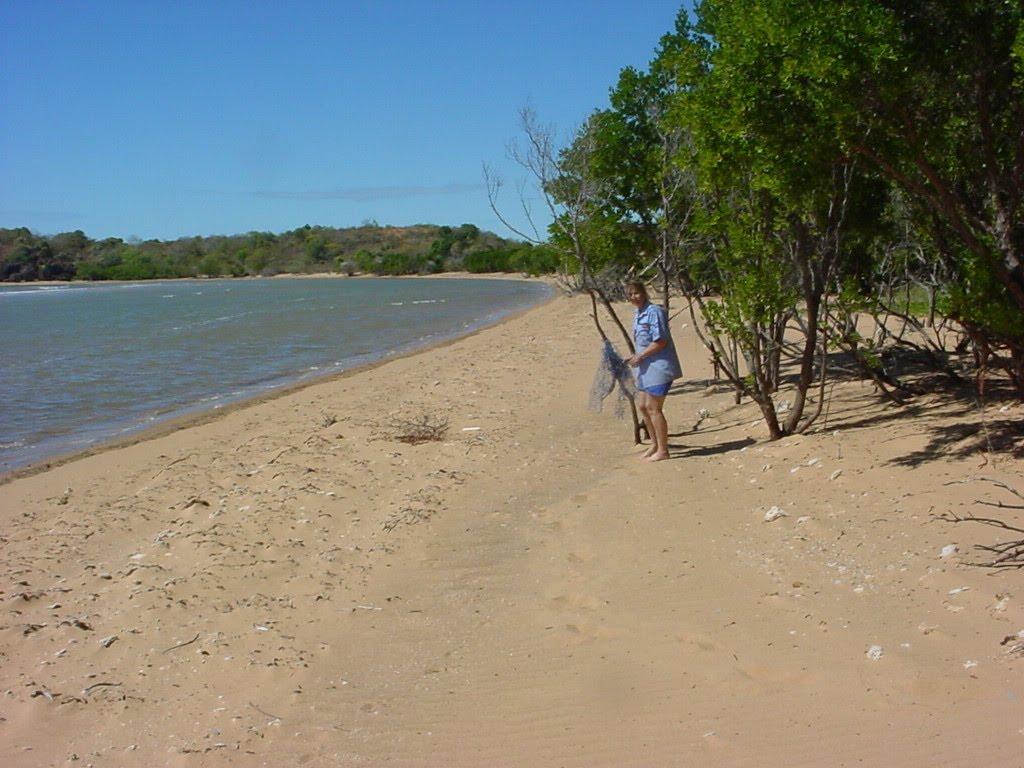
(979, 299)
(534, 260)
(487, 261)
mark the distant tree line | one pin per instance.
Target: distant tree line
(368, 249)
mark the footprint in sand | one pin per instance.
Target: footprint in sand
(701, 641)
(576, 602)
(773, 676)
(589, 632)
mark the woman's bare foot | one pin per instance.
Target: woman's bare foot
(658, 456)
(649, 452)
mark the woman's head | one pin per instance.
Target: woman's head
(636, 292)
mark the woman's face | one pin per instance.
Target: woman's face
(636, 296)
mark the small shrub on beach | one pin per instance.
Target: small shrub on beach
(425, 429)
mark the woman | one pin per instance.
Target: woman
(657, 366)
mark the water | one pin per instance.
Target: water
(80, 364)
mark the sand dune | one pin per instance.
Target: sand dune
(291, 583)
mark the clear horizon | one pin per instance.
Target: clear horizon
(162, 121)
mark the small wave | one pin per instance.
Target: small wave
(211, 321)
(36, 290)
(168, 296)
(397, 303)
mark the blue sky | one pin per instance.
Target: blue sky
(168, 119)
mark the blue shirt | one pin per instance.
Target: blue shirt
(662, 367)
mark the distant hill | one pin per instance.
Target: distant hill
(370, 249)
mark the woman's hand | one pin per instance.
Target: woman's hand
(653, 348)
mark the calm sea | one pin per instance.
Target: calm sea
(80, 364)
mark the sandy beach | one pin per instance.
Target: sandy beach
(289, 583)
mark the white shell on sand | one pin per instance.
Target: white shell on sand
(773, 514)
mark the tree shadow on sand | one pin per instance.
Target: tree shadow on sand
(945, 409)
(707, 386)
(936, 405)
(689, 451)
(978, 430)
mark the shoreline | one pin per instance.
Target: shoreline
(166, 426)
(299, 276)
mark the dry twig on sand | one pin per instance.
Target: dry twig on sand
(998, 484)
(87, 691)
(281, 453)
(407, 516)
(163, 469)
(181, 645)
(264, 712)
(1005, 554)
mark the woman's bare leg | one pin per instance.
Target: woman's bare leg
(658, 425)
(643, 405)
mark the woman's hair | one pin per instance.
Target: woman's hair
(638, 285)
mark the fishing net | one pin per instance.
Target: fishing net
(612, 373)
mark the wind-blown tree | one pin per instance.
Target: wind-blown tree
(592, 247)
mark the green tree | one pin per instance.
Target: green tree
(931, 96)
